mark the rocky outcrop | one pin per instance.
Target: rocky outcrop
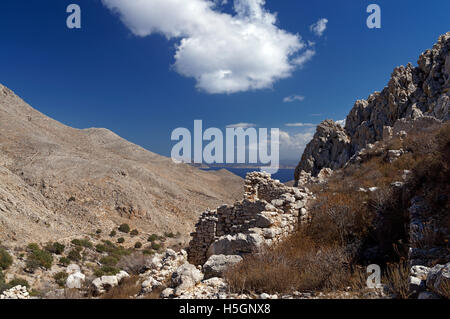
(330, 148)
(269, 212)
(411, 93)
(218, 264)
(105, 283)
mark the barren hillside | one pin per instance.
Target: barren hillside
(57, 181)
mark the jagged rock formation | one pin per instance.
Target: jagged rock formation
(269, 212)
(330, 147)
(411, 93)
(57, 181)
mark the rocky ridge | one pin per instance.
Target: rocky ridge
(411, 93)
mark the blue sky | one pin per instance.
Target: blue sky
(108, 75)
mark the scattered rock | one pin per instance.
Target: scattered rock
(217, 264)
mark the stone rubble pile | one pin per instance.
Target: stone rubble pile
(17, 292)
(269, 212)
(161, 269)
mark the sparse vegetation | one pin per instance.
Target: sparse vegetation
(396, 278)
(128, 288)
(60, 278)
(6, 259)
(138, 245)
(152, 238)
(55, 248)
(64, 261)
(38, 258)
(74, 255)
(112, 233)
(134, 232)
(18, 282)
(121, 240)
(156, 246)
(124, 228)
(86, 243)
(109, 261)
(106, 271)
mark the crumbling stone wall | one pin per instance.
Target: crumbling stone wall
(269, 211)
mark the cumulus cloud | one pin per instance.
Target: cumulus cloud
(241, 125)
(292, 145)
(224, 53)
(319, 27)
(341, 122)
(293, 98)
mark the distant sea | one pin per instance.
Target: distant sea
(283, 175)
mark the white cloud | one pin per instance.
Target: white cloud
(224, 53)
(319, 27)
(301, 125)
(293, 98)
(292, 145)
(305, 57)
(341, 122)
(241, 125)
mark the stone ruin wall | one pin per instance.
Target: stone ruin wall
(269, 212)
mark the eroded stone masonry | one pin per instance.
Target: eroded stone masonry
(269, 212)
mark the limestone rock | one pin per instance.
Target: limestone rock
(330, 147)
(217, 264)
(438, 279)
(411, 94)
(185, 277)
(75, 280)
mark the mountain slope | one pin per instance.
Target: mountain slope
(411, 93)
(66, 181)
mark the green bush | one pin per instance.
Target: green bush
(124, 228)
(32, 246)
(169, 235)
(74, 255)
(2, 277)
(152, 237)
(98, 231)
(82, 243)
(55, 248)
(18, 282)
(121, 240)
(106, 271)
(61, 278)
(6, 259)
(109, 261)
(156, 246)
(112, 233)
(64, 261)
(38, 258)
(148, 252)
(138, 245)
(134, 232)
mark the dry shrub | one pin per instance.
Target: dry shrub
(128, 288)
(296, 264)
(397, 279)
(445, 290)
